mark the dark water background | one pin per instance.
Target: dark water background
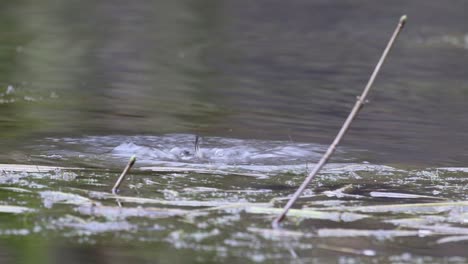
(241, 69)
(79, 78)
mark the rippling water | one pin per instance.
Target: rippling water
(217, 205)
(266, 84)
(181, 148)
(238, 69)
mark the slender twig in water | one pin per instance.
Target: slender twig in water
(122, 176)
(293, 253)
(197, 152)
(357, 106)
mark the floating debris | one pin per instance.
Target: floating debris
(452, 239)
(395, 195)
(415, 208)
(50, 198)
(11, 209)
(309, 213)
(381, 234)
(115, 212)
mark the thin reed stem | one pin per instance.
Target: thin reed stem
(357, 106)
(119, 181)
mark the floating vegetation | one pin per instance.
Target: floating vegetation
(414, 208)
(309, 213)
(15, 189)
(117, 212)
(395, 195)
(452, 239)
(354, 209)
(380, 234)
(32, 168)
(50, 198)
(11, 209)
(203, 171)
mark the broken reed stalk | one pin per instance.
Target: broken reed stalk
(357, 106)
(119, 181)
(197, 152)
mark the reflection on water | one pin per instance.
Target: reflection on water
(238, 69)
(265, 83)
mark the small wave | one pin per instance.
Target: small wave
(177, 148)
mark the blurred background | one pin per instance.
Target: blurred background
(264, 69)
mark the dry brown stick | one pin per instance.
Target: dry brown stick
(357, 106)
(122, 176)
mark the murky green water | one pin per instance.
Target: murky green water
(85, 85)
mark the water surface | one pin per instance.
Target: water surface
(266, 84)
